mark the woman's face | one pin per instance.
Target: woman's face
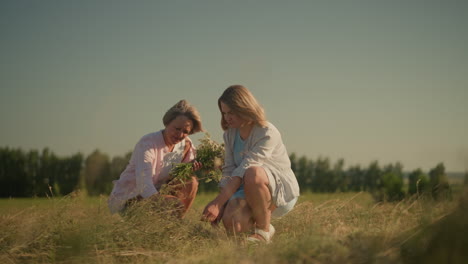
(232, 119)
(177, 130)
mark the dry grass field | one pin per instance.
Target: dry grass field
(323, 228)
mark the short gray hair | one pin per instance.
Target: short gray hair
(183, 107)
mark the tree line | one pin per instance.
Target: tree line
(42, 173)
(384, 182)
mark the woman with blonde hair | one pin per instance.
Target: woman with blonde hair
(152, 159)
(258, 182)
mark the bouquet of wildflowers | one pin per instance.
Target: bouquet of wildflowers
(210, 154)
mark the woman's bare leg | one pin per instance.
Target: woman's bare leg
(237, 216)
(186, 192)
(258, 196)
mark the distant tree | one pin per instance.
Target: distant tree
(372, 177)
(396, 168)
(339, 181)
(14, 179)
(356, 178)
(36, 174)
(390, 189)
(4, 177)
(97, 174)
(304, 171)
(68, 177)
(418, 182)
(45, 178)
(390, 184)
(32, 169)
(439, 182)
(321, 175)
(466, 178)
(23, 181)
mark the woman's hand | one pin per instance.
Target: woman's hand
(196, 165)
(220, 216)
(212, 212)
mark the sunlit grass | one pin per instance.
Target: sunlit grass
(323, 228)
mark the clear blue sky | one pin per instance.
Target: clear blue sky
(359, 80)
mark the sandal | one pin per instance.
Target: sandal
(263, 234)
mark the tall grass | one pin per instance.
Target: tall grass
(323, 228)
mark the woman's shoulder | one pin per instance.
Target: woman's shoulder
(188, 143)
(267, 129)
(188, 140)
(153, 138)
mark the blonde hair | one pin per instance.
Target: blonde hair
(242, 102)
(183, 107)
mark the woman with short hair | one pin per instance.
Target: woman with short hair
(152, 159)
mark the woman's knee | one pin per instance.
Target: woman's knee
(255, 175)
